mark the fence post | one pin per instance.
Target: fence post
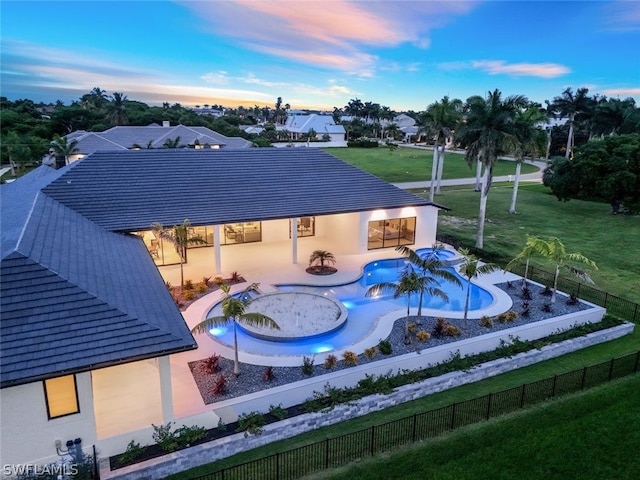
(96, 468)
(373, 439)
(524, 388)
(453, 416)
(611, 369)
(578, 292)
(415, 426)
(489, 406)
(635, 368)
(326, 454)
(278, 466)
(553, 387)
(635, 313)
(584, 377)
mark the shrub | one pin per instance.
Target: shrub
(350, 358)
(526, 293)
(201, 287)
(307, 365)
(573, 299)
(268, 374)
(502, 318)
(218, 281)
(187, 436)
(165, 438)
(133, 452)
(219, 385)
(221, 425)
(547, 292)
(547, 308)
(278, 411)
(211, 364)
(451, 330)
(486, 321)
(412, 327)
(251, 423)
(525, 309)
(439, 327)
(370, 352)
(385, 347)
(362, 143)
(511, 315)
(235, 277)
(205, 280)
(423, 336)
(188, 284)
(189, 295)
(330, 361)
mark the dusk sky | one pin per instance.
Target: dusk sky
(317, 54)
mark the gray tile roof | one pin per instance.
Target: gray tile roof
(132, 190)
(74, 296)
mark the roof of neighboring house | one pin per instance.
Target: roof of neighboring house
(319, 123)
(75, 296)
(152, 136)
(140, 188)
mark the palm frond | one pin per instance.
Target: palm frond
(258, 320)
(209, 323)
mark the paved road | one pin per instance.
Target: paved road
(529, 177)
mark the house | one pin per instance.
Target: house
(300, 123)
(87, 321)
(149, 137)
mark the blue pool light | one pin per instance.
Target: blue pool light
(218, 331)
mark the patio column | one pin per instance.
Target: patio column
(166, 394)
(216, 248)
(294, 239)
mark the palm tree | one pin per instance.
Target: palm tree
(117, 109)
(526, 253)
(470, 267)
(554, 250)
(180, 237)
(489, 132)
(322, 256)
(410, 281)
(175, 143)
(235, 310)
(63, 149)
(431, 267)
(569, 105)
(529, 137)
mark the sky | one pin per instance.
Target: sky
(317, 54)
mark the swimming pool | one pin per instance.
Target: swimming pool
(362, 310)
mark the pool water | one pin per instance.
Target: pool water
(362, 310)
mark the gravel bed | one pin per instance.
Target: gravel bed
(251, 376)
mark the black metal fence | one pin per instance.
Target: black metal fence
(338, 451)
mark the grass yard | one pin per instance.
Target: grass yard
(612, 241)
(414, 164)
(596, 437)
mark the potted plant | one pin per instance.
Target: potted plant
(320, 263)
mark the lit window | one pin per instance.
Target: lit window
(61, 396)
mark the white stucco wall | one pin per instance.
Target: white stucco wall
(28, 436)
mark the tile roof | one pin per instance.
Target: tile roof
(132, 190)
(74, 296)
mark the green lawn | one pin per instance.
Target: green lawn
(591, 435)
(414, 165)
(612, 241)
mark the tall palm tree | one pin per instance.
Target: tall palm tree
(63, 149)
(175, 143)
(553, 249)
(117, 109)
(440, 120)
(529, 137)
(569, 105)
(471, 268)
(234, 310)
(180, 237)
(431, 266)
(489, 132)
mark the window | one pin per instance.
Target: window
(391, 232)
(241, 233)
(306, 227)
(61, 396)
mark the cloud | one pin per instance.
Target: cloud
(621, 16)
(622, 92)
(499, 67)
(331, 34)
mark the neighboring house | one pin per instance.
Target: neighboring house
(86, 316)
(151, 136)
(406, 124)
(300, 124)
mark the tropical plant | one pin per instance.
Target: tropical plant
(439, 122)
(569, 105)
(63, 149)
(530, 140)
(554, 250)
(321, 256)
(488, 134)
(117, 109)
(526, 253)
(409, 282)
(471, 268)
(180, 237)
(431, 267)
(234, 310)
